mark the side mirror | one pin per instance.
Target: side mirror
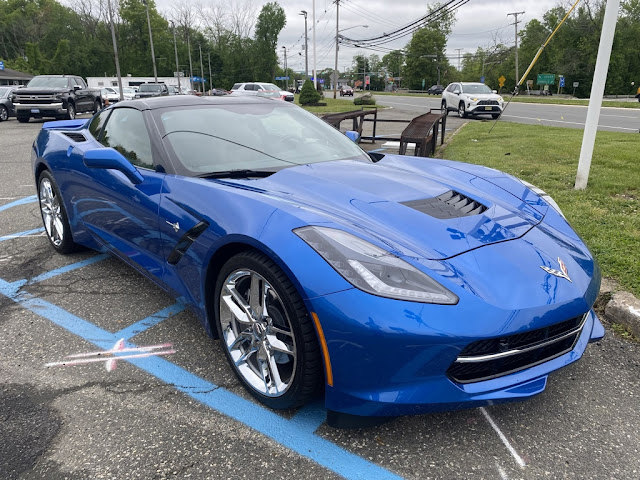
(76, 88)
(494, 91)
(457, 92)
(352, 135)
(108, 158)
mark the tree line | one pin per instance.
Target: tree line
(46, 37)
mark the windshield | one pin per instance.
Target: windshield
(149, 88)
(476, 88)
(49, 82)
(269, 135)
(270, 86)
(4, 91)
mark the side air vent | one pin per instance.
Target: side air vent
(450, 204)
(76, 137)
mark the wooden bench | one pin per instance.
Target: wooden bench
(358, 116)
(423, 131)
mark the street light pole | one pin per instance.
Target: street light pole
(210, 76)
(175, 47)
(515, 23)
(306, 46)
(115, 50)
(286, 81)
(335, 69)
(153, 53)
(190, 64)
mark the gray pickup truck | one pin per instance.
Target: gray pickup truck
(58, 96)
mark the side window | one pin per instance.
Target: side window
(127, 133)
(95, 127)
(251, 86)
(79, 81)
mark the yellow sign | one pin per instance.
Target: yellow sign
(501, 80)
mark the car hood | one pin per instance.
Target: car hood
(39, 91)
(483, 96)
(393, 203)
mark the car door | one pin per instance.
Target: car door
(121, 214)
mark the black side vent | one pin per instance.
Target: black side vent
(76, 137)
(450, 204)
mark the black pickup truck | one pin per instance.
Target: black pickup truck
(59, 96)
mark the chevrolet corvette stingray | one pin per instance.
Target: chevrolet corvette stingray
(391, 284)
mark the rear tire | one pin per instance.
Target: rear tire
(54, 215)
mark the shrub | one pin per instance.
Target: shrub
(366, 99)
(308, 94)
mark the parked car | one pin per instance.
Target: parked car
(147, 90)
(472, 99)
(129, 93)
(393, 284)
(346, 90)
(252, 88)
(218, 92)
(6, 106)
(110, 95)
(435, 90)
(59, 96)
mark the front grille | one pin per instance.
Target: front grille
(450, 204)
(488, 102)
(76, 137)
(495, 357)
(27, 99)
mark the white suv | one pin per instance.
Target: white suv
(262, 89)
(472, 99)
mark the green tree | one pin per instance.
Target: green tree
(308, 94)
(271, 21)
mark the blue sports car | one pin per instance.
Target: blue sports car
(394, 285)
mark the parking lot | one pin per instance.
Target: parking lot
(184, 415)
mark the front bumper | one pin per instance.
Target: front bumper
(40, 108)
(475, 109)
(382, 369)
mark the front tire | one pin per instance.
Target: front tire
(266, 332)
(22, 118)
(444, 108)
(495, 115)
(4, 113)
(462, 112)
(54, 216)
(97, 106)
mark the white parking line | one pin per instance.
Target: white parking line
(502, 473)
(504, 439)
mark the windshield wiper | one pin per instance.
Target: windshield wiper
(241, 173)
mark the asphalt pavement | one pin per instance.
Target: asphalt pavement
(184, 415)
(571, 116)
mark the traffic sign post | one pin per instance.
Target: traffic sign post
(575, 85)
(546, 79)
(1, 65)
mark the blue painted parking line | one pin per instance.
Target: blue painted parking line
(295, 434)
(139, 327)
(67, 268)
(22, 234)
(21, 201)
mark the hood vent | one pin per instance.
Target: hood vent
(450, 204)
(76, 137)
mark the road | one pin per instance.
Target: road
(185, 416)
(572, 116)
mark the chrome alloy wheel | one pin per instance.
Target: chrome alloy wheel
(257, 333)
(51, 213)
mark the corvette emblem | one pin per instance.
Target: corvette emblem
(562, 273)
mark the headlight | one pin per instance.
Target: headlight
(545, 196)
(373, 269)
(501, 100)
(474, 100)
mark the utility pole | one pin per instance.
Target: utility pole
(210, 76)
(335, 69)
(153, 53)
(306, 46)
(175, 47)
(201, 69)
(597, 92)
(190, 64)
(315, 71)
(286, 81)
(458, 50)
(115, 51)
(515, 23)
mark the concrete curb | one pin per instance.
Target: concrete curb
(624, 309)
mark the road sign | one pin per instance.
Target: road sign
(576, 84)
(1, 65)
(282, 78)
(501, 80)
(546, 79)
(561, 81)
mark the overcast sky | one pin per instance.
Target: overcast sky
(479, 23)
